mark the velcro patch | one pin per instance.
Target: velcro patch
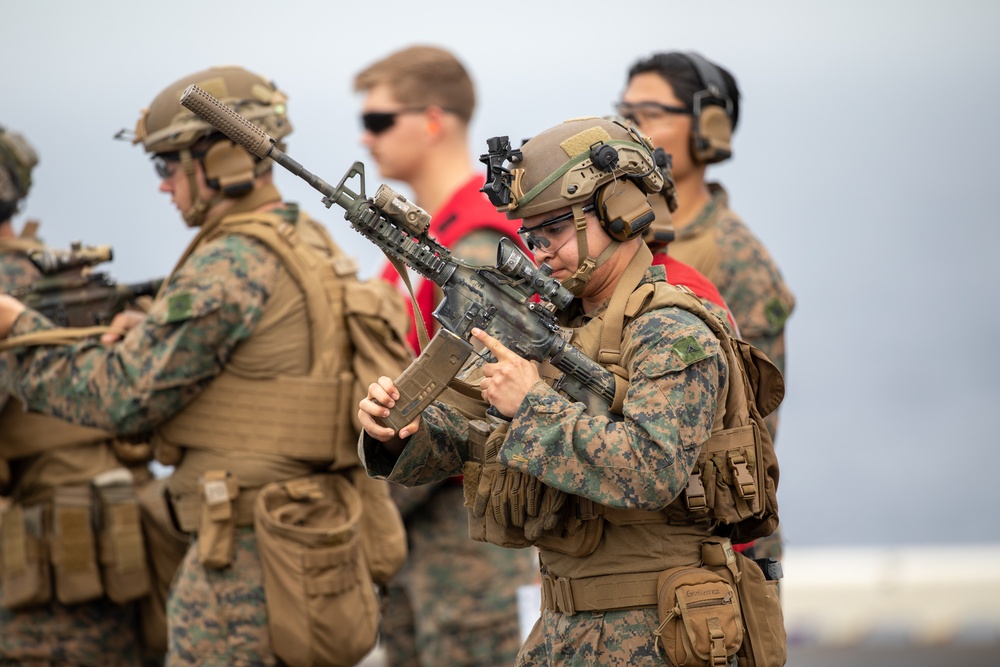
(689, 350)
(179, 307)
(582, 141)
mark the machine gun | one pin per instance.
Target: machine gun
(71, 295)
(499, 300)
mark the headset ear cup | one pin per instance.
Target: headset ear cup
(229, 168)
(712, 136)
(623, 210)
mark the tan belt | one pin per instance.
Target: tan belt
(187, 509)
(604, 593)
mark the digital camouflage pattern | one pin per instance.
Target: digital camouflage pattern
(752, 285)
(218, 617)
(642, 462)
(16, 271)
(95, 634)
(598, 639)
(454, 602)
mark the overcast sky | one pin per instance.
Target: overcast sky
(865, 159)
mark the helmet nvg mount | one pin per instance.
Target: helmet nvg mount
(577, 163)
(17, 159)
(167, 129)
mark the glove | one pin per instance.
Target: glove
(548, 515)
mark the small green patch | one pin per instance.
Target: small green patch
(777, 313)
(179, 307)
(689, 350)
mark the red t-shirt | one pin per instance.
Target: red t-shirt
(679, 273)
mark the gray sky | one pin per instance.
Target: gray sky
(863, 160)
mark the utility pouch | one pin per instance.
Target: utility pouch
(123, 554)
(166, 547)
(74, 553)
(764, 642)
(699, 613)
(321, 604)
(732, 474)
(26, 576)
(578, 532)
(217, 523)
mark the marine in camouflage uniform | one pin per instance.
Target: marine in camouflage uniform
(231, 312)
(629, 463)
(454, 602)
(99, 632)
(661, 99)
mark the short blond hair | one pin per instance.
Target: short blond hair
(423, 76)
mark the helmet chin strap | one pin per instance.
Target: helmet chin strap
(195, 216)
(586, 265)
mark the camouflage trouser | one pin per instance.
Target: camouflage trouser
(218, 618)
(454, 602)
(593, 639)
(98, 634)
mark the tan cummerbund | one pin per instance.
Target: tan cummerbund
(187, 509)
(297, 417)
(602, 593)
(29, 433)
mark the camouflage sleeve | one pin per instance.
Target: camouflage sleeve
(16, 271)
(211, 304)
(642, 462)
(435, 452)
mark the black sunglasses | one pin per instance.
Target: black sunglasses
(378, 122)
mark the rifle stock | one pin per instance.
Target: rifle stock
(498, 300)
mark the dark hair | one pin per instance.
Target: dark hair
(7, 211)
(676, 69)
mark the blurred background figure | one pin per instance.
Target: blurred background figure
(56, 605)
(454, 602)
(690, 107)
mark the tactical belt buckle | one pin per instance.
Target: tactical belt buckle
(694, 494)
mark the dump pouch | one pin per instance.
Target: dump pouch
(26, 576)
(165, 550)
(382, 529)
(74, 553)
(699, 613)
(321, 603)
(217, 523)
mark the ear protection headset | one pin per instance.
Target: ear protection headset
(229, 168)
(712, 113)
(621, 204)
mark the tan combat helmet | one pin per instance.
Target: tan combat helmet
(591, 164)
(171, 132)
(17, 159)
